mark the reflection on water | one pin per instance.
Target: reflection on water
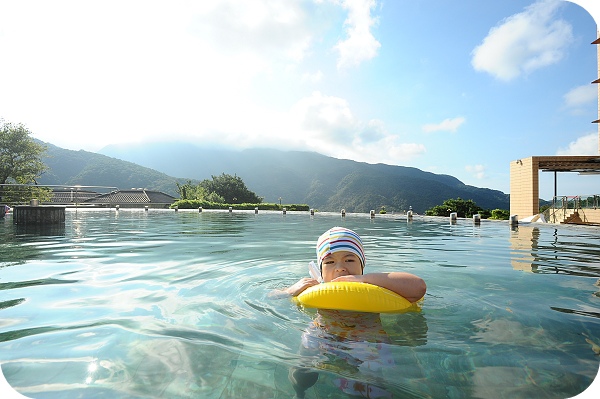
(175, 305)
(11, 236)
(523, 240)
(567, 250)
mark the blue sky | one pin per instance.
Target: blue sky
(456, 87)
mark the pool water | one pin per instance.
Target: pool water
(165, 304)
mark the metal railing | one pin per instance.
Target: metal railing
(54, 194)
(564, 206)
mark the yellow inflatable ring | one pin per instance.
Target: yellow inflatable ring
(353, 296)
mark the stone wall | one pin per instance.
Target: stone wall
(27, 214)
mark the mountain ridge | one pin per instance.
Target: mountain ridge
(69, 167)
(322, 182)
(313, 178)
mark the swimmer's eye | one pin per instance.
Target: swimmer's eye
(345, 260)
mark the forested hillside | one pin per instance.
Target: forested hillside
(91, 169)
(306, 177)
(324, 183)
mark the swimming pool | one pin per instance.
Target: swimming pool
(171, 304)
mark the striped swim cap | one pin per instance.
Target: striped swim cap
(339, 239)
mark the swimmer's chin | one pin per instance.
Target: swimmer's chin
(341, 275)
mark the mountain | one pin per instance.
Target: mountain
(322, 182)
(67, 167)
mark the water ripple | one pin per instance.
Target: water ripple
(166, 303)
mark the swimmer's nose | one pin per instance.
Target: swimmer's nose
(340, 268)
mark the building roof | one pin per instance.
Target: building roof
(71, 196)
(584, 164)
(133, 196)
(140, 196)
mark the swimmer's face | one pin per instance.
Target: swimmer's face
(342, 263)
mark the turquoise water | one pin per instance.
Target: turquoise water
(165, 304)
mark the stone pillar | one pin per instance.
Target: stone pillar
(524, 187)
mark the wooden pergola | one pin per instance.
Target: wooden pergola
(524, 178)
(524, 173)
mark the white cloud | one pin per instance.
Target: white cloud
(312, 77)
(373, 131)
(524, 42)
(478, 171)
(141, 69)
(191, 71)
(447, 125)
(327, 117)
(270, 28)
(580, 96)
(584, 145)
(360, 44)
(326, 124)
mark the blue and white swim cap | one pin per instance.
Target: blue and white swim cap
(339, 239)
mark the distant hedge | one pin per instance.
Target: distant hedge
(466, 208)
(195, 204)
(500, 214)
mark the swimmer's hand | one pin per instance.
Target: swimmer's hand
(301, 285)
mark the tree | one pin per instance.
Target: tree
(20, 155)
(232, 189)
(500, 214)
(462, 208)
(20, 160)
(189, 191)
(221, 189)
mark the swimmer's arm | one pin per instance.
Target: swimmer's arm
(295, 289)
(407, 285)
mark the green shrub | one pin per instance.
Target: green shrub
(463, 208)
(466, 209)
(195, 204)
(500, 214)
(485, 213)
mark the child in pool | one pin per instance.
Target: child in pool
(357, 339)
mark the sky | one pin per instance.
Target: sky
(458, 87)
